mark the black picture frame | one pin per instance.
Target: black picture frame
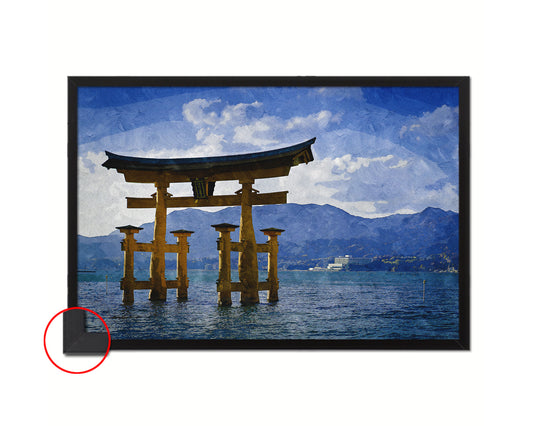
(78, 340)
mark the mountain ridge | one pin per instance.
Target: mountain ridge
(313, 233)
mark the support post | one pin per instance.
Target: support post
(224, 262)
(248, 269)
(272, 277)
(128, 246)
(181, 267)
(157, 259)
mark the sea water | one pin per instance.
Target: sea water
(312, 305)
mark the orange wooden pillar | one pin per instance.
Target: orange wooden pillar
(128, 246)
(157, 259)
(183, 249)
(272, 277)
(248, 269)
(224, 262)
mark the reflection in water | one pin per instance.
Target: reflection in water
(312, 305)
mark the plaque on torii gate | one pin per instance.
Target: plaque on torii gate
(203, 173)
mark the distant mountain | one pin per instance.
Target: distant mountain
(312, 232)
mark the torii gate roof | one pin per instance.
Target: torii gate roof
(257, 165)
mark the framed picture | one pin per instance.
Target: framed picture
(268, 213)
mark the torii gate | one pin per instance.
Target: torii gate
(203, 173)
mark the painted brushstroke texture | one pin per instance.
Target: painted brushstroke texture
(379, 151)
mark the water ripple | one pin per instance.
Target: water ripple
(313, 305)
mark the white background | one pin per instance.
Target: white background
(44, 42)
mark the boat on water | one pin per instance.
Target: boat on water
(85, 271)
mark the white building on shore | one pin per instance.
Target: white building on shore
(341, 263)
(335, 266)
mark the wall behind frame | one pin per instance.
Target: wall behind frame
(337, 38)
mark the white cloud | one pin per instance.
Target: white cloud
(193, 112)
(405, 129)
(236, 125)
(446, 198)
(401, 163)
(200, 134)
(197, 113)
(211, 146)
(271, 130)
(442, 121)
(101, 198)
(320, 119)
(368, 207)
(258, 133)
(236, 113)
(405, 211)
(345, 163)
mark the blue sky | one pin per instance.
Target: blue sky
(379, 151)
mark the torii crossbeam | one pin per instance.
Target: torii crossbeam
(202, 173)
